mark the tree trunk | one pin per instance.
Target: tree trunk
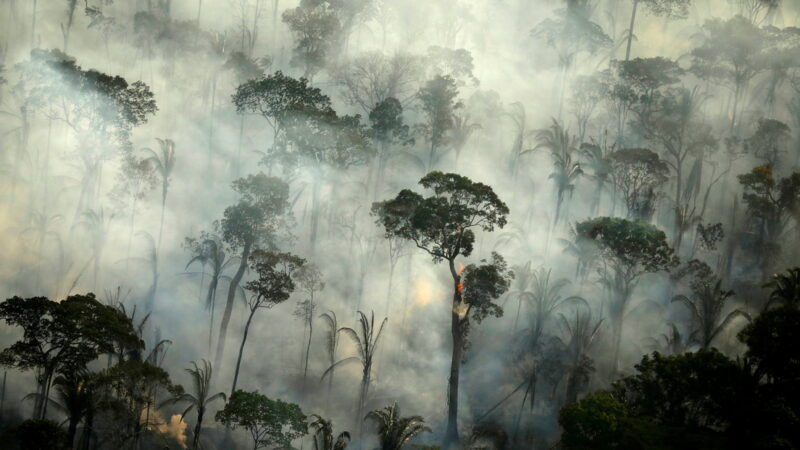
(314, 213)
(212, 300)
(72, 429)
(197, 428)
(226, 315)
(241, 350)
(308, 350)
(451, 438)
(630, 30)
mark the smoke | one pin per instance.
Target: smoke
(48, 246)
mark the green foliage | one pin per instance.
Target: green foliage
(395, 431)
(41, 434)
(278, 96)
(386, 120)
(595, 422)
(769, 141)
(785, 287)
(770, 201)
(323, 435)
(257, 215)
(94, 104)
(269, 422)
(693, 389)
(633, 246)
(671, 9)
(442, 224)
(63, 336)
(439, 102)
(771, 341)
(316, 28)
(274, 283)
(484, 283)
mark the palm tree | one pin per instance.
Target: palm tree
(785, 288)
(706, 307)
(582, 332)
(598, 158)
(201, 380)
(395, 431)
(567, 170)
(366, 345)
(211, 252)
(331, 343)
(97, 224)
(163, 164)
(520, 288)
(460, 133)
(323, 435)
(74, 398)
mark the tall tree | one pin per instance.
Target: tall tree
(310, 280)
(439, 103)
(199, 400)
(245, 227)
(443, 225)
(366, 340)
(273, 286)
(670, 9)
(707, 306)
(163, 164)
(629, 250)
(561, 145)
(316, 29)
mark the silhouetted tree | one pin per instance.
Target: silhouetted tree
(442, 225)
(270, 422)
(395, 431)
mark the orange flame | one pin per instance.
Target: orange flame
(460, 285)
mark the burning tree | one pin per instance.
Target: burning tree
(442, 225)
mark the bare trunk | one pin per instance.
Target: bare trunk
(226, 315)
(630, 30)
(241, 350)
(451, 438)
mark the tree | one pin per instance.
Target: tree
(132, 388)
(366, 344)
(637, 173)
(276, 97)
(331, 344)
(61, 337)
(731, 54)
(629, 250)
(269, 422)
(769, 141)
(372, 77)
(100, 109)
(310, 280)
(785, 287)
(40, 433)
(571, 33)
(199, 400)
(688, 390)
(442, 225)
(245, 226)
(707, 305)
(670, 9)
(596, 421)
(163, 164)
(439, 102)
(323, 435)
(770, 202)
(387, 129)
(316, 29)
(394, 431)
(273, 286)
(567, 170)
(597, 157)
(209, 249)
(582, 332)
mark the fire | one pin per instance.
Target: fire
(460, 285)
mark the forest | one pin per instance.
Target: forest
(384, 224)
